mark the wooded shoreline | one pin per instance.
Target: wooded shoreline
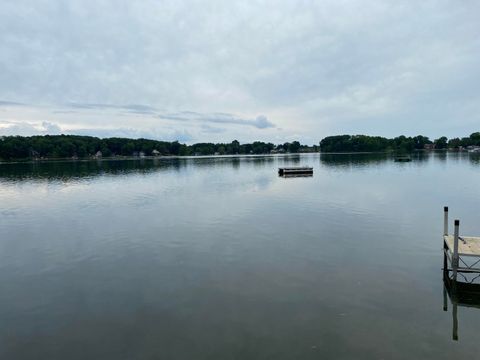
(67, 147)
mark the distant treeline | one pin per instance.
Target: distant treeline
(364, 143)
(73, 146)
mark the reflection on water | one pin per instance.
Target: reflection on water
(369, 159)
(460, 294)
(475, 158)
(465, 292)
(353, 160)
(65, 170)
(219, 258)
(295, 175)
(78, 169)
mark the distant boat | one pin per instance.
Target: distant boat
(405, 158)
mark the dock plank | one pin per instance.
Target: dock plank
(470, 247)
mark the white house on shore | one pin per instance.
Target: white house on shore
(473, 148)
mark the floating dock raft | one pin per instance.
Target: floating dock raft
(403, 159)
(462, 253)
(293, 171)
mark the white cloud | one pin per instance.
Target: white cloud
(51, 128)
(24, 128)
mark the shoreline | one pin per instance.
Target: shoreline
(170, 157)
(137, 158)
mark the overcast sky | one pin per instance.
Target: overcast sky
(248, 70)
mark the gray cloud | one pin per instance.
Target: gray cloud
(10, 103)
(140, 109)
(133, 108)
(65, 112)
(175, 117)
(316, 68)
(260, 122)
(212, 130)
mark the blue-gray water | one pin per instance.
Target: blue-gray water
(219, 258)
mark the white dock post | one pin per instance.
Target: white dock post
(455, 250)
(445, 220)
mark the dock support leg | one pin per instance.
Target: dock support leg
(455, 322)
(445, 261)
(445, 220)
(455, 250)
(445, 299)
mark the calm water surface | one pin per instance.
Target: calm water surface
(219, 258)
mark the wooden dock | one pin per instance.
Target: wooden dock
(467, 246)
(461, 259)
(295, 171)
(462, 253)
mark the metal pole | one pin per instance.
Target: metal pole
(445, 262)
(445, 220)
(455, 322)
(455, 250)
(445, 299)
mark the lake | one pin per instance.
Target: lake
(220, 258)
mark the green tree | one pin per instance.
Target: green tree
(441, 142)
(294, 147)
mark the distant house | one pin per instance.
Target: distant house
(98, 155)
(473, 148)
(429, 146)
(141, 154)
(35, 154)
(155, 152)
